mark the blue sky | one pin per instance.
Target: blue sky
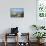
(18, 9)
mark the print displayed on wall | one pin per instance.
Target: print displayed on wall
(17, 12)
(41, 12)
(41, 8)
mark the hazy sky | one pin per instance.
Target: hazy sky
(17, 9)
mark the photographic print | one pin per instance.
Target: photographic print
(17, 12)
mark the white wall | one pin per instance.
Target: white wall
(23, 23)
